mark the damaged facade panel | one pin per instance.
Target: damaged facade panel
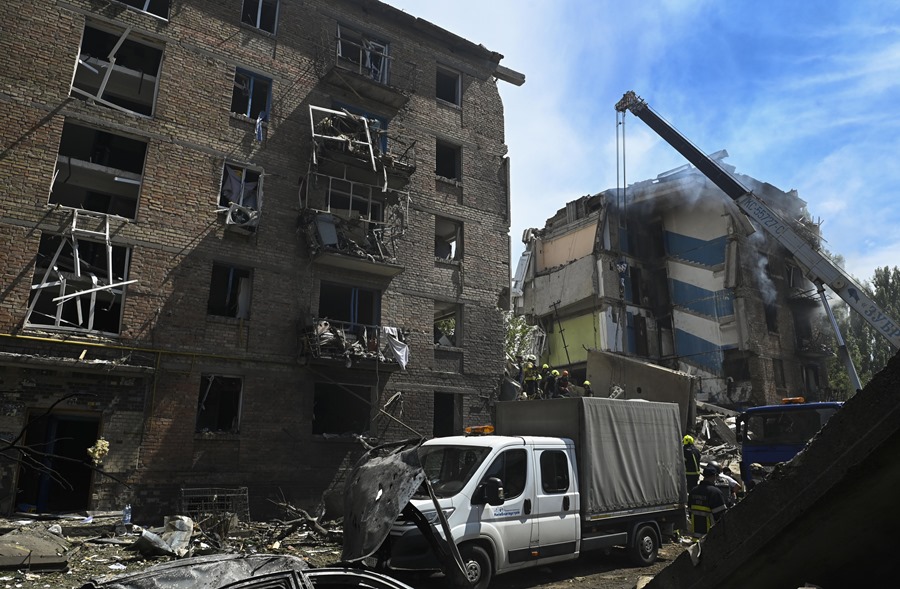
(680, 286)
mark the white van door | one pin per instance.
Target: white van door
(556, 511)
(512, 520)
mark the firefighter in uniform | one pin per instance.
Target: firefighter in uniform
(532, 379)
(691, 462)
(706, 503)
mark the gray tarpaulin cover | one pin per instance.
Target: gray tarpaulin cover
(629, 452)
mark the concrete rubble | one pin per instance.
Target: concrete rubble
(825, 518)
(95, 545)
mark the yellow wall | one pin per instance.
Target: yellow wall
(566, 248)
(580, 333)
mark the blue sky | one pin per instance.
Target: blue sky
(803, 95)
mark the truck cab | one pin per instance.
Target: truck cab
(534, 518)
(770, 434)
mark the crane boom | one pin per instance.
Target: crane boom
(819, 268)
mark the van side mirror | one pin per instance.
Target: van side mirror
(493, 491)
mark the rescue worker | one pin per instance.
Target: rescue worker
(588, 391)
(549, 385)
(706, 503)
(726, 483)
(562, 384)
(691, 462)
(532, 380)
(757, 475)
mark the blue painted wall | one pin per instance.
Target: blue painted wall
(699, 251)
(711, 303)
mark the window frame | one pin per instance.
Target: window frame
(445, 147)
(457, 82)
(457, 245)
(257, 22)
(204, 395)
(252, 79)
(559, 458)
(244, 198)
(101, 171)
(358, 39)
(444, 311)
(145, 9)
(64, 278)
(236, 274)
(82, 66)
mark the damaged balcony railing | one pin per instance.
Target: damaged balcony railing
(353, 343)
(362, 138)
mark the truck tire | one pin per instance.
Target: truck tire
(645, 548)
(478, 566)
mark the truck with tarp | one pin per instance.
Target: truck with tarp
(554, 479)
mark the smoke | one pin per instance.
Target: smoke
(766, 286)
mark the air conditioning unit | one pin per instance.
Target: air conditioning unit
(240, 216)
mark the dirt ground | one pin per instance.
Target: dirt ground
(90, 555)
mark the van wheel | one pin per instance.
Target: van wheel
(478, 566)
(645, 548)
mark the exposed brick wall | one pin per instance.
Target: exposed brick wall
(178, 235)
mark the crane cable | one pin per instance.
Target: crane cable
(622, 212)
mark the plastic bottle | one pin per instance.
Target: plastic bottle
(126, 515)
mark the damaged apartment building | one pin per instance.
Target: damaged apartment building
(239, 238)
(669, 271)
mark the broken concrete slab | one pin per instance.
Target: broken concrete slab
(828, 517)
(33, 548)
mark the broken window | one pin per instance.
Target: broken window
(158, 7)
(778, 370)
(78, 284)
(447, 160)
(447, 239)
(447, 324)
(229, 292)
(367, 57)
(219, 405)
(771, 311)
(240, 195)
(117, 70)
(341, 409)
(251, 95)
(98, 171)
(350, 126)
(353, 200)
(262, 14)
(447, 85)
(736, 365)
(350, 304)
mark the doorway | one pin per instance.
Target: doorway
(66, 438)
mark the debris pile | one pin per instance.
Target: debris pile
(68, 551)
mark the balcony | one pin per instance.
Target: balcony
(353, 61)
(351, 243)
(343, 138)
(352, 345)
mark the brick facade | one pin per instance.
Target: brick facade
(143, 385)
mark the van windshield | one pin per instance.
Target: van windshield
(449, 468)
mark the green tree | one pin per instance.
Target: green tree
(518, 334)
(869, 349)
